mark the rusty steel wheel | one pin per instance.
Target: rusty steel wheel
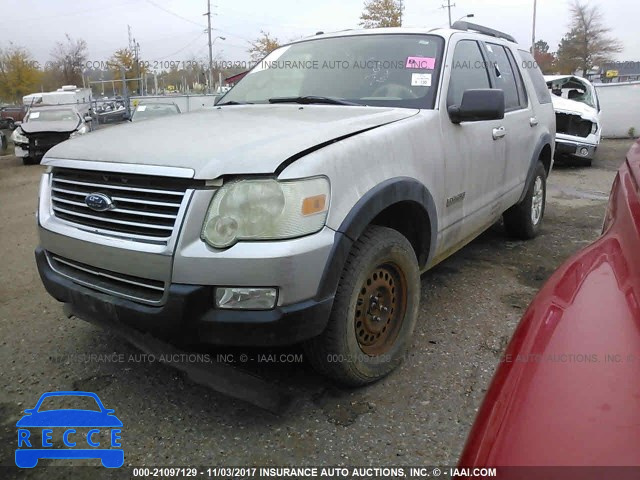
(374, 310)
(380, 309)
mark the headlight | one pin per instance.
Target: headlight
(266, 210)
(81, 131)
(594, 127)
(18, 136)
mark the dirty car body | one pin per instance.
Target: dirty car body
(243, 237)
(578, 128)
(566, 391)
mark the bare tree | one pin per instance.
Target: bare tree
(588, 43)
(382, 13)
(69, 58)
(262, 46)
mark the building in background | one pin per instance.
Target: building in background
(618, 72)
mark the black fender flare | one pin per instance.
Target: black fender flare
(377, 199)
(542, 142)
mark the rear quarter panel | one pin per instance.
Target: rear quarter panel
(567, 391)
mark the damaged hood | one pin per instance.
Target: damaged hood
(239, 139)
(571, 106)
(44, 126)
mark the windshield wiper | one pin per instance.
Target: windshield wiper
(232, 102)
(308, 99)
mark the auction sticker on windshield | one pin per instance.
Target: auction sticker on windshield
(420, 79)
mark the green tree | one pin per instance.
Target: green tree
(588, 42)
(566, 62)
(541, 46)
(545, 59)
(382, 13)
(19, 74)
(262, 46)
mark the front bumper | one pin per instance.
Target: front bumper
(188, 317)
(21, 150)
(575, 148)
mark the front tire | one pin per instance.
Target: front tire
(525, 219)
(374, 311)
(30, 160)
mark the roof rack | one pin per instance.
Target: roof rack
(460, 25)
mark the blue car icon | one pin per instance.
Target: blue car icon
(35, 432)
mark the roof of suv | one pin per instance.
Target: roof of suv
(462, 27)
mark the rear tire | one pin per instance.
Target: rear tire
(374, 311)
(525, 219)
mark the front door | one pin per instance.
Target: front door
(475, 157)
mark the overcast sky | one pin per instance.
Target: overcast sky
(174, 29)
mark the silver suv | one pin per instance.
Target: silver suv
(304, 207)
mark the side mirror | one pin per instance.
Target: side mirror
(478, 105)
(88, 118)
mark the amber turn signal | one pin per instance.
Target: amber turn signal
(315, 204)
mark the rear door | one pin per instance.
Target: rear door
(520, 121)
(474, 159)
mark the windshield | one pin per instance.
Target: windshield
(144, 112)
(573, 89)
(390, 70)
(69, 402)
(52, 115)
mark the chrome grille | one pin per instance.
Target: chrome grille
(127, 286)
(144, 207)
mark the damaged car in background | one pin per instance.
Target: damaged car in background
(578, 128)
(46, 127)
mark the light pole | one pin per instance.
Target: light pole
(470, 15)
(211, 63)
(533, 33)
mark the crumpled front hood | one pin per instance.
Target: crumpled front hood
(239, 139)
(44, 126)
(571, 106)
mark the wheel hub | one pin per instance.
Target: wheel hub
(537, 201)
(380, 309)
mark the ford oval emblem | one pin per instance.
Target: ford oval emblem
(99, 202)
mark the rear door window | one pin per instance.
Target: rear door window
(531, 69)
(503, 75)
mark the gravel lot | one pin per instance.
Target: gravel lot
(419, 415)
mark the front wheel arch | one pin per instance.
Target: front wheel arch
(380, 206)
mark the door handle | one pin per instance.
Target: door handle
(533, 121)
(499, 132)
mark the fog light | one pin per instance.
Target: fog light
(246, 298)
(584, 151)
